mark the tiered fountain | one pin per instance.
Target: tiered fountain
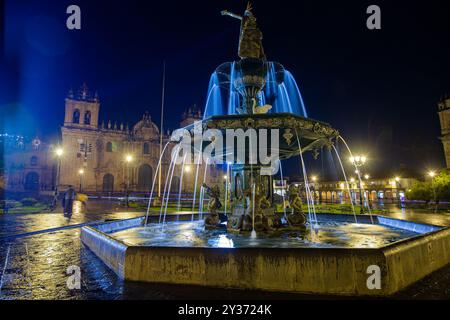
(258, 247)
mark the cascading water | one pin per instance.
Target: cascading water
(310, 202)
(196, 179)
(359, 177)
(154, 182)
(202, 192)
(346, 183)
(181, 183)
(283, 191)
(227, 180)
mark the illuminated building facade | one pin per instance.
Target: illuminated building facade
(94, 154)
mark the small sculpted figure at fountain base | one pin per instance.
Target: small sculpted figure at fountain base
(213, 220)
(296, 217)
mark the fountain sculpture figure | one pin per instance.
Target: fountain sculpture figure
(252, 87)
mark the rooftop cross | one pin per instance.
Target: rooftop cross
(250, 39)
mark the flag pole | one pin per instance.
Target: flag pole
(162, 128)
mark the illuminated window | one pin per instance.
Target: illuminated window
(109, 147)
(87, 117)
(76, 116)
(34, 161)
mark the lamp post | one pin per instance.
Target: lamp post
(358, 162)
(397, 185)
(128, 160)
(81, 173)
(369, 194)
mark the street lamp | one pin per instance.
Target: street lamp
(128, 160)
(359, 161)
(81, 173)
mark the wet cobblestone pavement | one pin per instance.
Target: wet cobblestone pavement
(35, 267)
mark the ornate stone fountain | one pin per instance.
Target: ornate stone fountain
(252, 185)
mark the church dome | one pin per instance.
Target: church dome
(146, 128)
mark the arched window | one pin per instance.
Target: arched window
(76, 116)
(238, 192)
(146, 148)
(87, 117)
(109, 147)
(34, 161)
(145, 177)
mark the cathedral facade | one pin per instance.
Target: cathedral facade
(444, 119)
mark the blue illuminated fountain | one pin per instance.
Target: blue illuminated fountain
(255, 246)
(257, 94)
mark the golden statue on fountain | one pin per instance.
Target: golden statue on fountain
(250, 39)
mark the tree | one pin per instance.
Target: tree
(437, 189)
(441, 185)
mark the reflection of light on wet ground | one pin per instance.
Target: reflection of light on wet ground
(224, 242)
(330, 234)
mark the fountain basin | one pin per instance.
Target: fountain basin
(325, 269)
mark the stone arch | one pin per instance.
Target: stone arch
(175, 187)
(87, 117)
(32, 181)
(334, 196)
(76, 116)
(373, 195)
(239, 186)
(145, 177)
(108, 183)
(146, 148)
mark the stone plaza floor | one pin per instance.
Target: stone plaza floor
(35, 266)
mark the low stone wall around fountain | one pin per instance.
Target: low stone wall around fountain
(325, 271)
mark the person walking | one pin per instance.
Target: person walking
(68, 199)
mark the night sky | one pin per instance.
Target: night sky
(378, 88)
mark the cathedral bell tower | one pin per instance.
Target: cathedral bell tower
(82, 109)
(191, 116)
